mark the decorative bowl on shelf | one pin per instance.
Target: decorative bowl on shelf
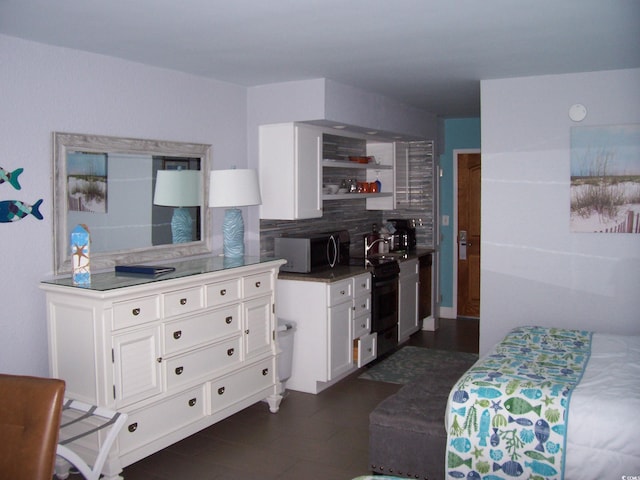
(360, 159)
(332, 189)
(342, 190)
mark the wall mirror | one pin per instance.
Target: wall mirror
(108, 184)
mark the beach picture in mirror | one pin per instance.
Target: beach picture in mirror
(605, 179)
(87, 182)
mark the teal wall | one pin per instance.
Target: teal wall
(459, 133)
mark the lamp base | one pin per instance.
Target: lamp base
(233, 233)
(181, 226)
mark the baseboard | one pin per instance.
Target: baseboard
(430, 323)
(448, 312)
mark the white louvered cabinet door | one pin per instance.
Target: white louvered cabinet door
(137, 365)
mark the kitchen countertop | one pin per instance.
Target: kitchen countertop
(340, 272)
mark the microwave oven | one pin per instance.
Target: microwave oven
(307, 253)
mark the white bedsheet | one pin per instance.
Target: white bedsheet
(603, 436)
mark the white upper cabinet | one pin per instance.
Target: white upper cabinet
(290, 171)
(297, 159)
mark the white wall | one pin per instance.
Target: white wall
(534, 270)
(46, 89)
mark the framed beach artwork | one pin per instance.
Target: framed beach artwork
(87, 182)
(605, 179)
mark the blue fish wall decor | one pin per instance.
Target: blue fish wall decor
(14, 210)
(11, 177)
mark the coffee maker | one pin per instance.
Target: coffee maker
(404, 236)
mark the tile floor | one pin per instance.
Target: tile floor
(323, 437)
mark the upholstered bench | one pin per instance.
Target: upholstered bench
(407, 437)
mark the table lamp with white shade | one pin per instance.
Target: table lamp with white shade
(179, 189)
(233, 188)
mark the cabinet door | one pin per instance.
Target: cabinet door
(340, 349)
(258, 333)
(290, 167)
(136, 364)
(408, 288)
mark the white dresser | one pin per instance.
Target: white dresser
(177, 352)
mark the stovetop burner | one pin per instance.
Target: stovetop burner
(380, 266)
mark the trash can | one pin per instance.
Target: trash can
(286, 329)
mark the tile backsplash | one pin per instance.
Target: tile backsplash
(415, 201)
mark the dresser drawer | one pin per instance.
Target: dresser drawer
(201, 363)
(223, 292)
(183, 301)
(155, 421)
(232, 388)
(340, 291)
(201, 328)
(255, 285)
(137, 311)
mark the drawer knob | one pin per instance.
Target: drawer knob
(246, 331)
(192, 402)
(221, 391)
(135, 312)
(342, 292)
(223, 292)
(179, 370)
(183, 301)
(159, 359)
(257, 284)
(265, 372)
(363, 325)
(230, 352)
(177, 334)
(133, 427)
(228, 320)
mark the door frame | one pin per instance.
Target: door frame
(454, 238)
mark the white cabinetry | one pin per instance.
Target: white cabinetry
(296, 158)
(331, 318)
(290, 171)
(176, 354)
(364, 342)
(408, 300)
(340, 316)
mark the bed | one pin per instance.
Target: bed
(548, 403)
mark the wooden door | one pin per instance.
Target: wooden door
(469, 234)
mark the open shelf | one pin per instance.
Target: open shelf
(347, 164)
(353, 196)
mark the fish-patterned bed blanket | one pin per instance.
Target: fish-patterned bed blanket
(507, 415)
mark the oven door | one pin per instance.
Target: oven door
(384, 303)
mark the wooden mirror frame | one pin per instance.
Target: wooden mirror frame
(67, 142)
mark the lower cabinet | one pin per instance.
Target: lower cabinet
(175, 355)
(333, 325)
(408, 299)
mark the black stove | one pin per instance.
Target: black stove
(380, 267)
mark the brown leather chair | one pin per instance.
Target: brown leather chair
(30, 410)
